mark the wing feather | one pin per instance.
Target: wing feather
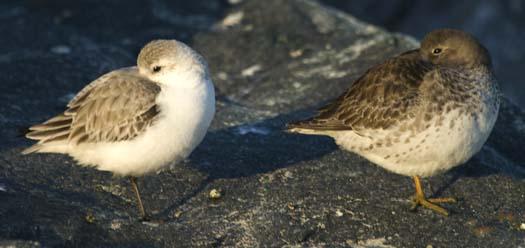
(384, 95)
(115, 111)
(117, 106)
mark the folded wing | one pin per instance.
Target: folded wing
(118, 106)
(384, 95)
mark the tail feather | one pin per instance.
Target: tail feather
(51, 147)
(316, 125)
(47, 134)
(51, 126)
(32, 149)
(50, 135)
(57, 119)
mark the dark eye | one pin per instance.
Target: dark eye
(437, 51)
(156, 68)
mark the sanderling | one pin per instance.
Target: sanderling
(135, 120)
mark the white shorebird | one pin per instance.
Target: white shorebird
(417, 114)
(135, 120)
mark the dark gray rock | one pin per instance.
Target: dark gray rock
(281, 61)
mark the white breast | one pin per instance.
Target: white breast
(185, 115)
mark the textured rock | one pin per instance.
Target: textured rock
(272, 61)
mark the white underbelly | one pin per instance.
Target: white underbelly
(158, 147)
(433, 150)
(181, 126)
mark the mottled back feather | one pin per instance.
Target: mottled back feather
(384, 95)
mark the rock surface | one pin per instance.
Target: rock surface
(272, 61)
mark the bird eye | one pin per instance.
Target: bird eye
(437, 51)
(156, 68)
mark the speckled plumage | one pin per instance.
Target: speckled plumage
(397, 101)
(420, 113)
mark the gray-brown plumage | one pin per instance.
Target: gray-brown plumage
(118, 106)
(417, 114)
(384, 95)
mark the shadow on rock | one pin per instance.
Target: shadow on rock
(264, 146)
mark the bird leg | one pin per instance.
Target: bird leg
(420, 199)
(133, 181)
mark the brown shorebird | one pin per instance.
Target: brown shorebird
(136, 120)
(417, 114)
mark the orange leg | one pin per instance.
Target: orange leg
(420, 199)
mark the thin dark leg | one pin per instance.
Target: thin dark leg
(133, 181)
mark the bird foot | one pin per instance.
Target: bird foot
(420, 200)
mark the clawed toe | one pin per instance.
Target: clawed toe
(420, 200)
(443, 200)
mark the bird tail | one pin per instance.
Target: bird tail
(50, 134)
(32, 149)
(301, 126)
(314, 126)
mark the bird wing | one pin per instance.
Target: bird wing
(384, 95)
(117, 106)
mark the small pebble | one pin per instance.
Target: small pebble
(116, 224)
(250, 71)
(177, 214)
(215, 194)
(222, 75)
(90, 217)
(232, 20)
(296, 53)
